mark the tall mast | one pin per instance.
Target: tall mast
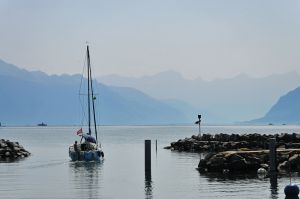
(89, 107)
(93, 104)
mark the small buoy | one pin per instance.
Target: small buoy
(261, 171)
(291, 190)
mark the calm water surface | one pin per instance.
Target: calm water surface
(48, 173)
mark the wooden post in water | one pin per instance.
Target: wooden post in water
(156, 146)
(147, 155)
(272, 155)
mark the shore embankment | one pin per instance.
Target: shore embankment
(11, 151)
(242, 153)
(250, 161)
(227, 142)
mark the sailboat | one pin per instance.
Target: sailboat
(89, 148)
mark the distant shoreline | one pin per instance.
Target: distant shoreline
(161, 125)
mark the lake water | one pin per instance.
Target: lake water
(48, 173)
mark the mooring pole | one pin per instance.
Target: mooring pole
(272, 155)
(147, 155)
(156, 146)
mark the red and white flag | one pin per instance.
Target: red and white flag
(79, 132)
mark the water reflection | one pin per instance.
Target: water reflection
(211, 176)
(274, 186)
(86, 179)
(249, 178)
(148, 184)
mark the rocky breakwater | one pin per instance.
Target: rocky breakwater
(226, 142)
(11, 151)
(247, 161)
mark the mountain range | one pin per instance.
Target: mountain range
(285, 111)
(240, 98)
(31, 97)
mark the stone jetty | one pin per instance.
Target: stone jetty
(242, 152)
(247, 161)
(228, 142)
(11, 151)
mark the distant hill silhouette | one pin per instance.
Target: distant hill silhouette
(28, 98)
(228, 100)
(285, 111)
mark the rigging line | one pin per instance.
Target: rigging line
(93, 104)
(98, 103)
(82, 76)
(98, 116)
(96, 86)
(82, 110)
(80, 87)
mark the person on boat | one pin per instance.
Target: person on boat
(76, 149)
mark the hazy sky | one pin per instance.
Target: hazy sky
(210, 39)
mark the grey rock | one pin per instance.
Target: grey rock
(10, 151)
(283, 166)
(3, 145)
(7, 153)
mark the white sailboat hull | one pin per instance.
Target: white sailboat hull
(89, 155)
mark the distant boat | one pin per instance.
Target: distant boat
(42, 124)
(90, 148)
